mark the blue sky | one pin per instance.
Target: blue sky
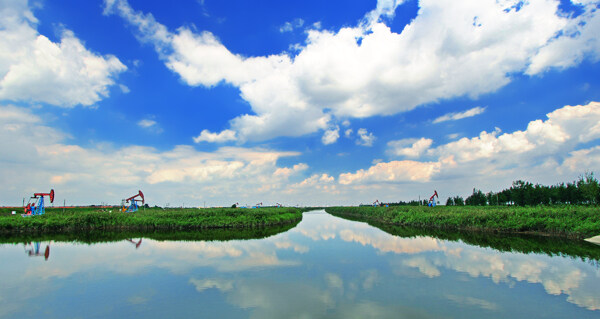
(314, 103)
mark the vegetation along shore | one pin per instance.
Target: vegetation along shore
(571, 221)
(148, 219)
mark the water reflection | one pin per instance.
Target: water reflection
(137, 243)
(325, 267)
(33, 250)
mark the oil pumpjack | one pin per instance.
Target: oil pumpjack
(36, 206)
(133, 203)
(432, 200)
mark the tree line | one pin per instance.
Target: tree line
(584, 191)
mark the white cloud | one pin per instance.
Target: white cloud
(368, 70)
(545, 146)
(41, 158)
(410, 147)
(223, 136)
(124, 88)
(290, 26)
(35, 69)
(365, 138)
(348, 133)
(287, 172)
(150, 125)
(317, 183)
(394, 171)
(331, 136)
(146, 123)
(460, 115)
(453, 136)
(386, 8)
(565, 128)
(579, 39)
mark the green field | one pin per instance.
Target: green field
(563, 221)
(56, 220)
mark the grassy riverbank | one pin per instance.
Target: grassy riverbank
(562, 221)
(85, 219)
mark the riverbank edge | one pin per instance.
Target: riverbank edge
(100, 236)
(343, 212)
(145, 224)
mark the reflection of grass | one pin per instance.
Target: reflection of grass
(97, 236)
(523, 243)
(563, 221)
(150, 219)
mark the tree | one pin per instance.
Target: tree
(504, 197)
(458, 201)
(450, 201)
(492, 199)
(522, 193)
(476, 199)
(588, 188)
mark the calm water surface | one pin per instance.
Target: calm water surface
(326, 267)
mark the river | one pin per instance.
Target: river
(325, 267)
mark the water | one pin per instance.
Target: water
(326, 267)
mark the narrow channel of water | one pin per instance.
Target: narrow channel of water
(326, 267)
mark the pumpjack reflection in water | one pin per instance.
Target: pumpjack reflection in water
(137, 244)
(33, 250)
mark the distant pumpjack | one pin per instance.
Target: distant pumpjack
(432, 200)
(133, 206)
(36, 206)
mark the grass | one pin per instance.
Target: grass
(149, 219)
(562, 221)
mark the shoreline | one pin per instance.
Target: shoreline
(562, 222)
(151, 219)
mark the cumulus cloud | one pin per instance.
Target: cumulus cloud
(385, 8)
(579, 39)
(367, 70)
(365, 138)
(316, 183)
(287, 172)
(331, 136)
(565, 128)
(41, 157)
(409, 147)
(223, 136)
(394, 171)
(460, 115)
(35, 69)
(550, 145)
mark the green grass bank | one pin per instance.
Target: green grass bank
(561, 221)
(55, 220)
